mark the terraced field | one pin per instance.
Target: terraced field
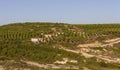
(60, 46)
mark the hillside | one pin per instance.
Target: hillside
(59, 46)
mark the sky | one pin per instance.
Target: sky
(66, 11)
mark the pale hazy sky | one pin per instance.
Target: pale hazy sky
(69, 11)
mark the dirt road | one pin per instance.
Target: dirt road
(50, 66)
(102, 57)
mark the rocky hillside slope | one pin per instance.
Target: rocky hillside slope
(59, 46)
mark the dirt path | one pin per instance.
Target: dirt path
(90, 44)
(112, 40)
(86, 55)
(102, 57)
(98, 44)
(33, 63)
(50, 66)
(110, 44)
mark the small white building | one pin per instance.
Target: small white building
(36, 39)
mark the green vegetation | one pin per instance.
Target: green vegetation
(15, 41)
